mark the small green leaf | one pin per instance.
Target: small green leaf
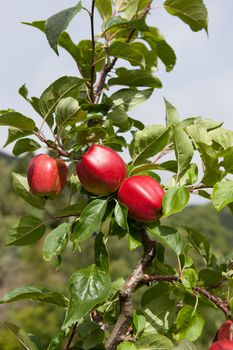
(105, 8)
(193, 13)
(139, 321)
(175, 200)
(115, 21)
(135, 78)
(101, 253)
(183, 149)
(57, 24)
(154, 341)
(69, 112)
(63, 87)
(189, 278)
(199, 134)
(17, 120)
(185, 345)
(120, 213)
(34, 293)
(125, 51)
(168, 236)
(37, 24)
(90, 219)
(15, 134)
(57, 341)
(222, 194)
(130, 98)
(22, 336)
(88, 287)
(74, 209)
(119, 118)
(190, 324)
(126, 345)
(148, 142)
(56, 241)
(26, 230)
(20, 186)
(222, 136)
(172, 116)
(25, 145)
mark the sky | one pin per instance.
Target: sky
(201, 83)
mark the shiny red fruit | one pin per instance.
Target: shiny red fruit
(222, 345)
(226, 331)
(101, 170)
(143, 196)
(46, 176)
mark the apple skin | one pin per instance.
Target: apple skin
(225, 332)
(101, 170)
(46, 176)
(222, 345)
(143, 196)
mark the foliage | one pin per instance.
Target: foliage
(176, 284)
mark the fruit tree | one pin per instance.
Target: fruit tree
(89, 120)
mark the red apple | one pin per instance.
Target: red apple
(46, 176)
(222, 345)
(143, 196)
(101, 170)
(226, 331)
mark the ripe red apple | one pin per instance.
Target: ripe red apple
(222, 345)
(101, 170)
(46, 175)
(225, 332)
(143, 196)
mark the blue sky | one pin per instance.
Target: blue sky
(201, 83)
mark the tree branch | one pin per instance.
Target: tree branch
(51, 145)
(220, 303)
(92, 80)
(72, 334)
(126, 293)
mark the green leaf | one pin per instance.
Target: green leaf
(135, 78)
(26, 230)
(63, 87)
(34, 293)
(56, 241)
(20, 186)
(17, 120)
(190, 176)
(22, 336)
(57, 341)
(185, 345)
(105, 8)
(175, 200)
(120, 213)
(172, 116)
(200, 243)
(222, 136)
(90, 219)
(222, 194)
(25, 145)
(88, 287)
(130, 98)
(57, 24)
(115, 21)
(74, 209)
(212, 173)
(190, 324)
(101, 253)
(126, 345)
(183, 149)
(126, 51)
(152, 341)
(69, 112)
(134, 240)
(159, 307)
(139, 321)
(167, 236)
(15, 134)
(227, 159)
(189, 278)
(199, 134)
(148, 142)
(37, 24)
(119, 118)
(193, 13)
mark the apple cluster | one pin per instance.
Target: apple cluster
(224, 337)
(101, 171)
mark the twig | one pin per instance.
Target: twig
(126, 293)
(72, 334)
(220, 303)
(92, 94)
(51, 145)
